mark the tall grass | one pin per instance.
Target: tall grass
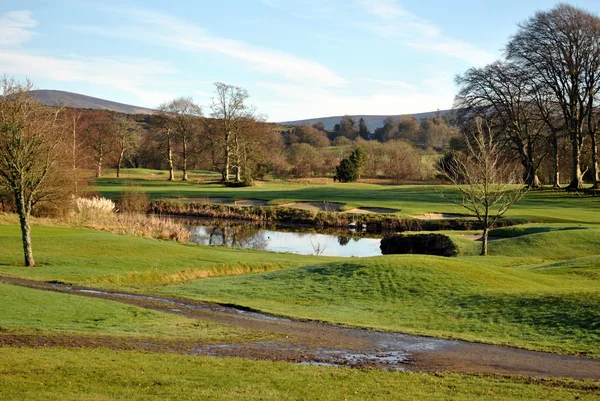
(100, 214)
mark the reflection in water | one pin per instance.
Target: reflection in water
(281, 241)
(233, 237)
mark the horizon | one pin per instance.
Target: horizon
(297, 59)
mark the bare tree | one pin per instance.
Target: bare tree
(100, 137)
(30, 146)
(561, 49)
(503, 91)
(182, 118)
(486, 186)
(164, 136)
(127, 137)
(230, 114)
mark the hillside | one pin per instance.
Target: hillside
(372, 121)
(78, 101)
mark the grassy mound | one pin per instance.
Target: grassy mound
(527, 299)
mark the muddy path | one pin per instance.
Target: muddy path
(312, 342)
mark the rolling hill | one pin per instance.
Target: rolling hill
(372, 121)
(78, 101)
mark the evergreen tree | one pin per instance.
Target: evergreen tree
(363, 130)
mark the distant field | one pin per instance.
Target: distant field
(548, 206)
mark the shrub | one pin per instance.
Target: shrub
(134, 201)
(422, 244)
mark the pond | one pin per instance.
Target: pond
(348, 243)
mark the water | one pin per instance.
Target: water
(345, 244)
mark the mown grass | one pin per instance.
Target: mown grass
(538, 291)
(29, 311)
(529, 293)
(545, 206)
(47, 374)
(80, 255)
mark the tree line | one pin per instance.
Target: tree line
(542, 97)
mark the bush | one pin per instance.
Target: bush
(134, 201)
(421, 244)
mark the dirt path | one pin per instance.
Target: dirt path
(315, 343)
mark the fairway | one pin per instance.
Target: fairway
(411, 200)
(539, 290)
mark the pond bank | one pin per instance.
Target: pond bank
(372, 222)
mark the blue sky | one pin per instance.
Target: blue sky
(297, 58)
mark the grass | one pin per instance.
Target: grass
(537, 291)
(87, 256)
(544, 206)
(534, 296)
(42, 374)
(29, 311)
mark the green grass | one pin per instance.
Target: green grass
(538, 291)
(49, 374)
(79, 255)
(544, 206)
(533, 296)
(29, 311)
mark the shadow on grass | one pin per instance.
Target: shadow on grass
(574, 316)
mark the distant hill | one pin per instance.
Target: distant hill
(373, 122)
(75, 100)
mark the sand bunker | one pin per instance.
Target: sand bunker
(443, 216)
(316, 206)
(372, 210)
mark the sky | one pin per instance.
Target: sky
(296, 58)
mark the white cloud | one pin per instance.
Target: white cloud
(390, 83)
(384, 9)
(174, 32)
(398, 24)
(295, 102)
(129, 75)
(14, 27)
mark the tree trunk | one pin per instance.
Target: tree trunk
(119, 163)
(227, 158)
(594, 145)
(185, 156)
(576, 175)
(170, 157)
(555, 155)
(99, 167)
(25, 229)
(484, 241)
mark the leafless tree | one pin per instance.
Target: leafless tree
(127, 137)
(503, 91)
(181, 118)
(30, 152)
(100, 137)
(486, 186)
(230, 117)
(561, 49)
